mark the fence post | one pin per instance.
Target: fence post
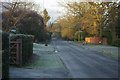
(17, 51)
(20, 55)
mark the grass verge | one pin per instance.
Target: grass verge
(46, 61)
(43, 48)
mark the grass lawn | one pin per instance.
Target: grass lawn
(109, 50)
(106, 49)
(43, 48)
(46, 61)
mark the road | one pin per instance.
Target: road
(78, 61)
(84, 63)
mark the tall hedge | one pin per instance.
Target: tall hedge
(27, 45)
(106, 33)
(5, 55)
(116, 42)
(5, 40)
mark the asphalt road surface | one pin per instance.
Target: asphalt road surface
(84, 63)
(79, 63)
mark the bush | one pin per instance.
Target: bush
(77, 36)
(116, 43)
(5, 55)
(27, 45)
(107, 34)
(43, 37)
(5, 40)
(58, 35)
(5, 63)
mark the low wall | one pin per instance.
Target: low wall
(96, 40)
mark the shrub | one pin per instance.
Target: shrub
(5, 40)
(58, 35)
(5, 63)
(77, 36)
(43, 37)
(27, 45)
(116, 42)
(106, 33)
(5, 54)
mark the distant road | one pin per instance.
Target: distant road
(84, 63)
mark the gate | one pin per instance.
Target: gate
(16, 52)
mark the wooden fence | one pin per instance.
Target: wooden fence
(16, 52)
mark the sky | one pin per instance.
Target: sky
(53, 7)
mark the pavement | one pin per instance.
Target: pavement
(79, 62)
(36, 73)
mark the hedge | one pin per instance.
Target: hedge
(5, 64)
(116, 42)
(5, 55)
(5, 40)
(107, 34)
(27, 45)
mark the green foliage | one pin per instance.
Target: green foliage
(46, 17)
(5, 55)
(78, 36)
(57, 34)
(27, 45)
(5, 63)
(116, 42)
(118, 26)
(5, 40)
(43, 36)
(107, 34)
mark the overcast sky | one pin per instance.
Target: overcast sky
(52, 6)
